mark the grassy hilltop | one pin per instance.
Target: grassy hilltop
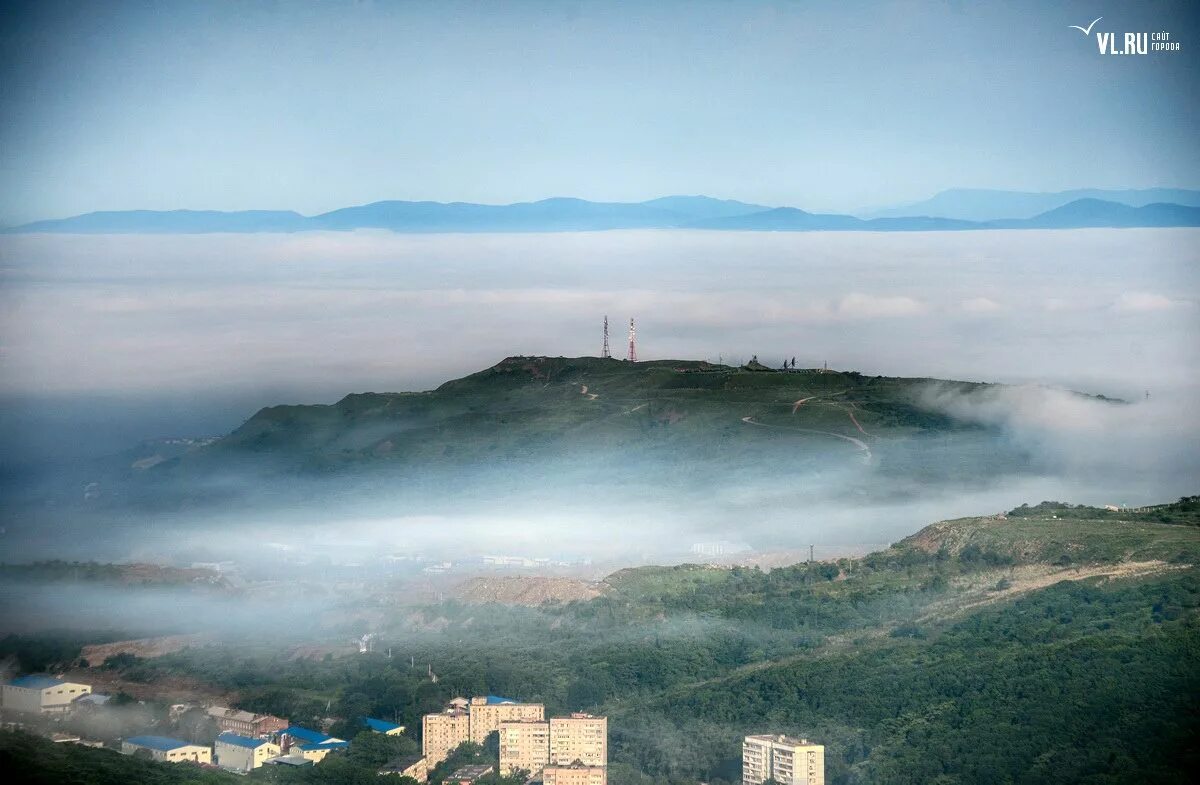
(547, 405)
(680, 423)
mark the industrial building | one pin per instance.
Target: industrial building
(242, 753)
(309, 744)
(167, 750)
(245, 723)
(41, 694)
(784, 759)
(577, 740)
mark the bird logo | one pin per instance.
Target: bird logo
(1088, 29)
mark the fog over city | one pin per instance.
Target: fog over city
(110, 340)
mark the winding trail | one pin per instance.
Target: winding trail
(859, 443)
(855, 421)
(802, 401)
(583, 391)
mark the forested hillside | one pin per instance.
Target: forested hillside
(1026, 648)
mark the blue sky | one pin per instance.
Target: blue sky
(316, 106)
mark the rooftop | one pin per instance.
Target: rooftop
(160, 743)
(240, 741)
(492, 700)
(289, 760)
(305, 734)
(36, 682)
(791, 741)
(472, 771)
(381, 726)
(231, 714)
(402, 763)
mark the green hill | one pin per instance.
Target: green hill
(673, 423)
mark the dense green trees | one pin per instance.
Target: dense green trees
(904, 677)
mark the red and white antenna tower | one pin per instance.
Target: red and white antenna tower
(632, 342)
(606, 353)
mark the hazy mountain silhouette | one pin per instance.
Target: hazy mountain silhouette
(570, 215)
(981, 204)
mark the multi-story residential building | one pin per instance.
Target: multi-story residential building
(488, 712)
(524, 745)
(575, 774)
(441, 733)
(242, 753)
(166, 750)
(579, 738)
(784, 759)
(245, 723)
(471, 720)
(41, 694)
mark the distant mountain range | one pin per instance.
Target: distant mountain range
(679, 212)
(979, 204)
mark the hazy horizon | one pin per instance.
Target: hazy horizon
(236, 106)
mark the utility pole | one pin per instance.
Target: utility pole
(632, 342)
(604, 352)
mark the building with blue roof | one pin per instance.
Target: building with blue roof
(166, 750)
(40, 694)
(242, 753)
(312, 745)
(383, 726)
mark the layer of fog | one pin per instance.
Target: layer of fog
(311, 316)
(108, 340)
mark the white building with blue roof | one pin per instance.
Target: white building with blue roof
(311, 744)
(166, 749)
(382, 726)
(41, 694)
(242, 753)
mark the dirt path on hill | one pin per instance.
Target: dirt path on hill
(859, 443)
(583, 390)
(1031, 577)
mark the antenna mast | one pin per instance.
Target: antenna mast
(606, 353)
(632, 342)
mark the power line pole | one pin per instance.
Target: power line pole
(605, 353)
(632, 342)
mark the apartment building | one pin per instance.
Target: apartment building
(575, 746)
(488, 712)
(441, 733)
(471, 720)
(784, 759)
(579, 738)
(524, 745)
